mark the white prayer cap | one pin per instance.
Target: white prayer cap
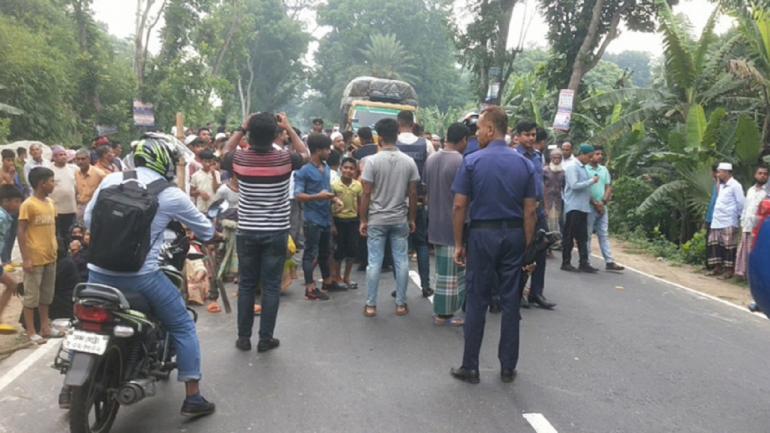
(726, 166)
(335, 135)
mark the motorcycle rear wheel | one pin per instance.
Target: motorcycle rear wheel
(94, 406)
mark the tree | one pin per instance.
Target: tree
(144, 25)
(636, 62)
(421, 26)
(754, 25)
(385, 57)
(483, 45)
(581, 30)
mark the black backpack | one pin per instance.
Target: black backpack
(121, 222)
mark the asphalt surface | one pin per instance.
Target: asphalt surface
(621, 353)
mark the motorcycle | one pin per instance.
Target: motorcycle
(114, 351)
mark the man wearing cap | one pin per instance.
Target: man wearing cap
(577, 206)
(495, 186)
(725, 223)
(64, 192)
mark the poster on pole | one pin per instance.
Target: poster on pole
(144, 114)
(566, 99)
(563, 118)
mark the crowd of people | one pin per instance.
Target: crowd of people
(477, 200)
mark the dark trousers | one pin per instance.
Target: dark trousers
(64, 223)
(575, 231)
(10, 239)
(494, 259)
(419, 242)
(538, 276)
(261, 257)
(318, 244)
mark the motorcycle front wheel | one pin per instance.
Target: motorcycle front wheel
(94, 406)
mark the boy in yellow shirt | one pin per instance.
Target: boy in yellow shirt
(38, 245)
(349, 191)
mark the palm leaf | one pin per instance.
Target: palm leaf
(620, 96)
(679, 61)
(664, 194)
(9, 109)
(707, 37)
(748, 140)
(624, 124)
(696, 126)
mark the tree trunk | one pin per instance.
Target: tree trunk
(503, 59)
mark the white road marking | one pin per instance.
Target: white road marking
(539, 423)
(415, 277)
(691, 291)
(28, 362)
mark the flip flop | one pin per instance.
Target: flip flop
(7, 329)
(37, 339)
(214, 308)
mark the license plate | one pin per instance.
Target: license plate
(88, 342)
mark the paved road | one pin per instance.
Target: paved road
(622, 353)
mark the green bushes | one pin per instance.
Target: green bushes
(647, 230)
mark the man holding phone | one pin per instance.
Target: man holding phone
(577, 206)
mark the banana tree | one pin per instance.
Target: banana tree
(754, 24)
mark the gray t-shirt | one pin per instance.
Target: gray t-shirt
(389, 171)
(440, 170)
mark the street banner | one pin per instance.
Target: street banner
(561, 121)
(144, 114)
(566, 99)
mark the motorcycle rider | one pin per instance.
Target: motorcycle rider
(156, 157)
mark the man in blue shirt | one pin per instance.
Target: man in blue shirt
(498, 185)
(527, 134)
(577, 206)
(313, 189)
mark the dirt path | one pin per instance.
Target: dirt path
(685, 275)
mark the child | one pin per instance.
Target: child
(205, 182)
(37, 242)
(349, 191)
(10, 200)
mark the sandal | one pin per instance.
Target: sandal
(351, 286)
(37, 339)
(370, 310)
(257, 309)
(402, 310)
(214, 308)
(53, 333)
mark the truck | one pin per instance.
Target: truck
(366, 100)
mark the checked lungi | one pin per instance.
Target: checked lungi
(722, 245)
(449, 282)
(742, 257)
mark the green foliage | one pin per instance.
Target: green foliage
(628, 192)
(436, 121)
(421, 26)
(638, 63)
(385, 57)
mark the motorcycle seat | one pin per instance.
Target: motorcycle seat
(136, 301)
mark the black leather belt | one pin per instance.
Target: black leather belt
(497, 224)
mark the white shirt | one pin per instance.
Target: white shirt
(729, 205)
(566, 162)
(409, 138)
(754, 197)
(63, 194)
(31, 163)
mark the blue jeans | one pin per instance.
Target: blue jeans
(10, 239)
(261, 257)
(169, 307)
(419, 241)
(399, 241)
(317, 248)
(601, 226)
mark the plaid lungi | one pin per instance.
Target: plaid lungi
(742, 257)
(449, 282)
(722, 244)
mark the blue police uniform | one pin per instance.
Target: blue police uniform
(538, 276)
(496, 179)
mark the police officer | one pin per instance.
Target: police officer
(527, 134)
(498, 184)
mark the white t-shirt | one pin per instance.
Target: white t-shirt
(230, 196)
(64, 191)
(203, 182)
